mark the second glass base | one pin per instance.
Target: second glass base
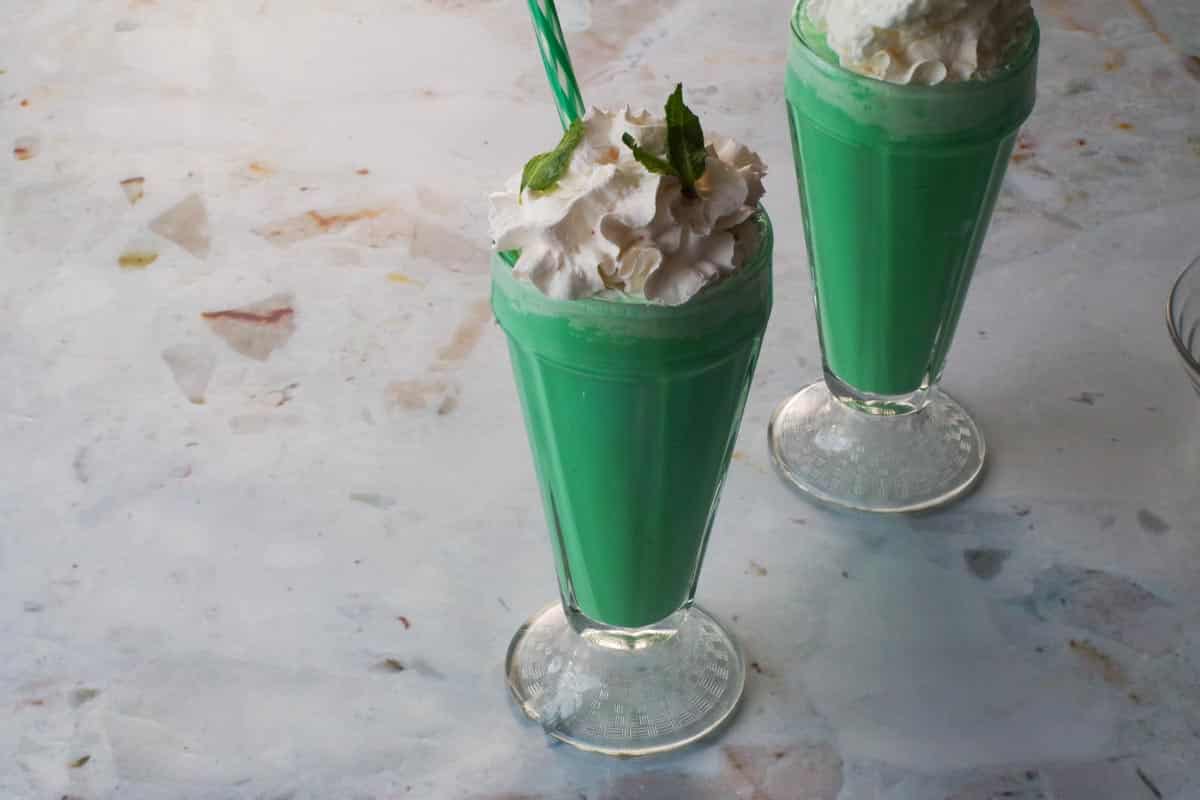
(626, 693)
(847, 457)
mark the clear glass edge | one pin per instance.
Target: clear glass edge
(1173, 325)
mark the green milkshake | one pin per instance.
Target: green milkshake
(633, 280)
(632, 410)
(903, 115)
(897, 183)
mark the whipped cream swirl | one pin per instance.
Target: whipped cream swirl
(922, 41)
(613, 226)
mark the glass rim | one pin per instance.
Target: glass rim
(754, 264)
(1009, 71)
(1173, 326)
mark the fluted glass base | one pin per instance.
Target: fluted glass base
(626, 692)
(852, 457)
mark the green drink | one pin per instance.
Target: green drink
(897, 185)
(632, 410)
(633, 280)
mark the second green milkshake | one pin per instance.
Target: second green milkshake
(899, 152)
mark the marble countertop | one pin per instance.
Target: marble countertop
(258, 435)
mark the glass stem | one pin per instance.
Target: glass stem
(880, 405)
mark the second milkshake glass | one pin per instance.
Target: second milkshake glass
(897, 186)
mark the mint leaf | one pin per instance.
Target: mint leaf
(647, 159)
(685, 142)
(542, 172)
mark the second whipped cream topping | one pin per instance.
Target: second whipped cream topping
(611, 224)
(922, 41)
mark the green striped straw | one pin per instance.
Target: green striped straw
(557, 61)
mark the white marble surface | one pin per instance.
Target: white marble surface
(215, 531)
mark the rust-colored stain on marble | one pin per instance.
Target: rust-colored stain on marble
(331, 222)
(1026, 148)
(260, 169)
(1142, 11)
(246, 316)
(467, 335)
(386, 225)
(314, 223)
(25, 147)
(24, 103)
(255, 330)
(185, 224)
(1099, 661)
(362, 171)
(1114, 59)
(136, 259)
(403, 620)
(134, 189)
(414, 395)
(1125, 126)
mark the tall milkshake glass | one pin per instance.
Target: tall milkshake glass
(897, 186)
(632, 410)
